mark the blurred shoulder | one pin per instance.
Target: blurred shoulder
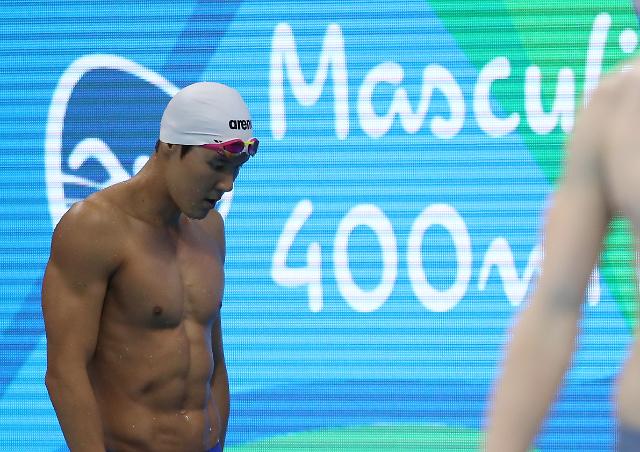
(617, 96)
(623, 83)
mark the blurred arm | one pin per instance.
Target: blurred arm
(544, 338)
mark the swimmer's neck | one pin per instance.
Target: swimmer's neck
(148, 198)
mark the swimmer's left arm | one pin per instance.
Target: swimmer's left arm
(220, 379)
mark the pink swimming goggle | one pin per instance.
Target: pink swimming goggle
(235, 146)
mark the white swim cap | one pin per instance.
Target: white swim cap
(205, 113)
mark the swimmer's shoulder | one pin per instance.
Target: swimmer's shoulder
(95, 221)
(212, 226)
(86, 240)
(214, 220)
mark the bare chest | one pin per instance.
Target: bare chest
(164, 281)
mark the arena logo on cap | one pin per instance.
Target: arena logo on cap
(78, 158)
(236, 124)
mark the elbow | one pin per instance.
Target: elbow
(53, 386)
(51, 381)
(559, 300)
(60, 379)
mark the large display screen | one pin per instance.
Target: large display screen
(384, 239)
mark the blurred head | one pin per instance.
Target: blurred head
(204, 114)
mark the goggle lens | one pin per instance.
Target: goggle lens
(236, 146)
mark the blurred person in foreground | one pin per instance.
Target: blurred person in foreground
(600, 182)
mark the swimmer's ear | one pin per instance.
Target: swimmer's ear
(167, 148)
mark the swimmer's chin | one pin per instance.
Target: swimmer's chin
(199, 212)
(197, 215)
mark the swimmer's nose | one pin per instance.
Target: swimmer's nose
(226, 184)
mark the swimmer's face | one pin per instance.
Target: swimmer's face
(198, 179)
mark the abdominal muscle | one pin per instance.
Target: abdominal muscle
(153, 388)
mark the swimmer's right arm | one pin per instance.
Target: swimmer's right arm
(544, 338)
(73, 289)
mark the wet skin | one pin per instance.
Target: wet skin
(131, 300)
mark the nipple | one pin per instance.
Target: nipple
(157, 310)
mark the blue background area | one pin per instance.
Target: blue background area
(291, 369)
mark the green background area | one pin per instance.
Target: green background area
(550, 34)
(401, 438)
(396, 438)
